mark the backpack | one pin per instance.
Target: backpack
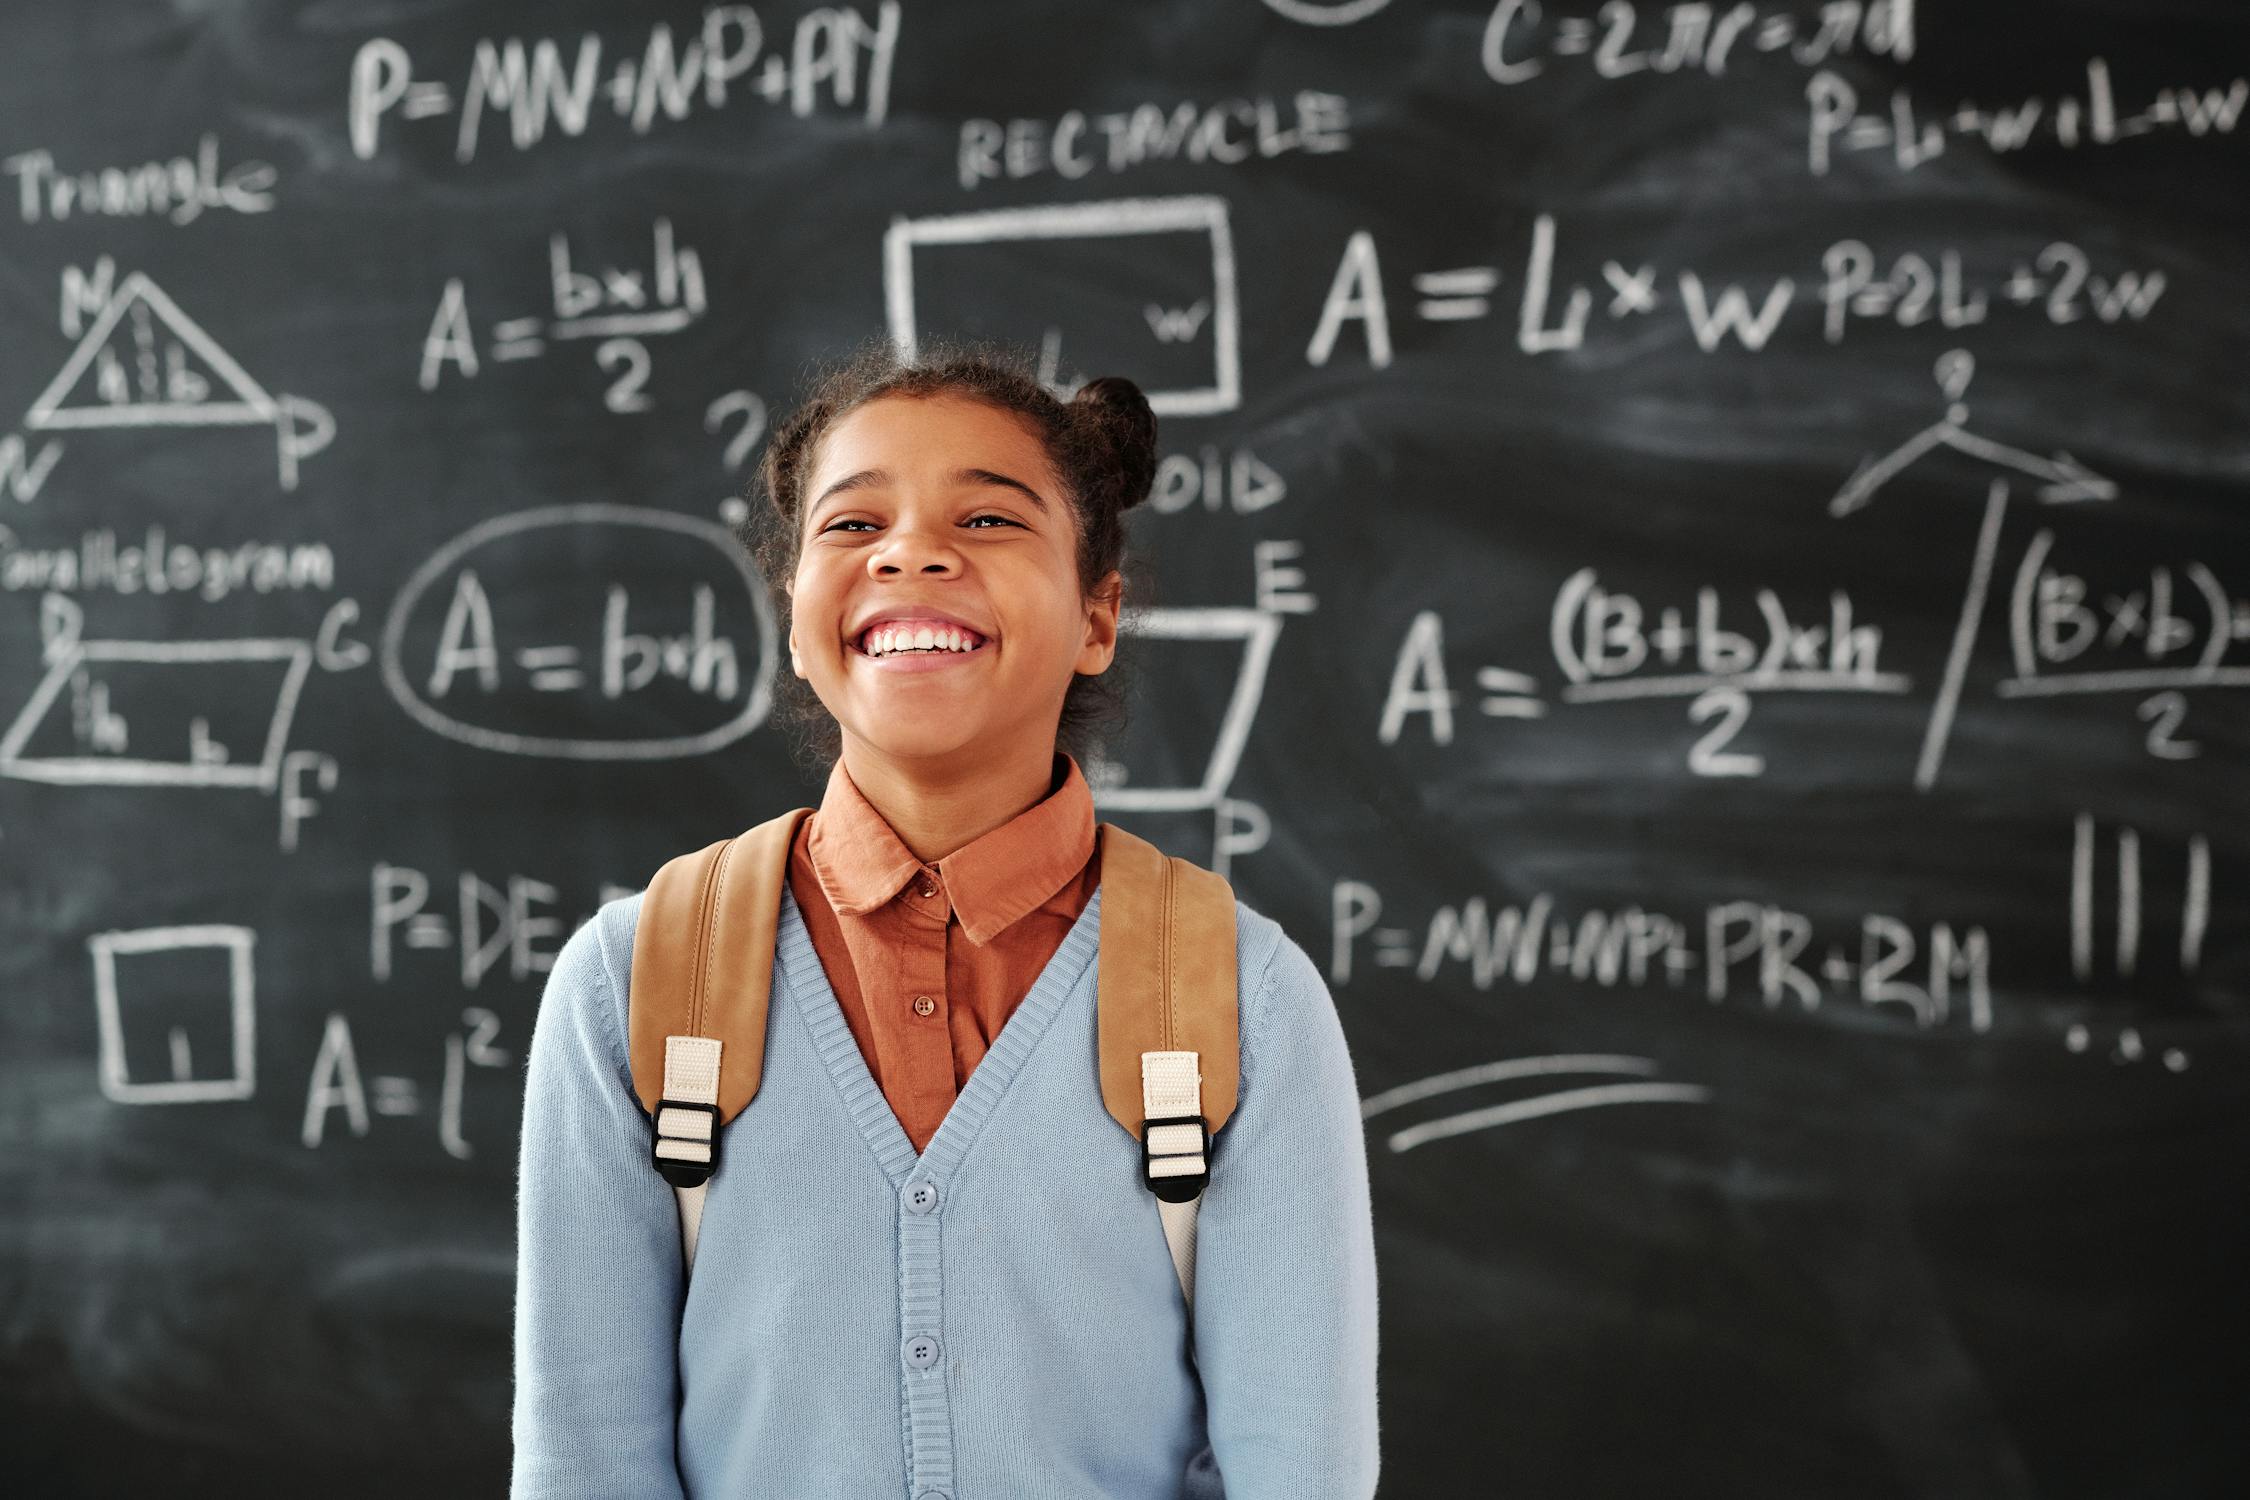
(1166, 1010)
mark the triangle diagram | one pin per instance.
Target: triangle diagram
(144, 363)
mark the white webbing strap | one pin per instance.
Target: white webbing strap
(1172, 1086)
(689, 1136)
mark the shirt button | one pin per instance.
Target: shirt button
(922, 1351)
(923, 1005)
(921, 1198)
(927, 889)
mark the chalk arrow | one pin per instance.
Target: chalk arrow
(2063, 479)
(2074, 481)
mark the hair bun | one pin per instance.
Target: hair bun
(1113, 413)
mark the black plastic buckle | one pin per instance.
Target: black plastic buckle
(1179, 1187)
(680, 1173)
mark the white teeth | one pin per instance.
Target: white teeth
(887, 639)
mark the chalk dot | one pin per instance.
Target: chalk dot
(2075, 1039)
(734, 510)
(2175, 1059)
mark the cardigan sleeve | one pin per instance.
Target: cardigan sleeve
(1285, 1300)
(598, 1273)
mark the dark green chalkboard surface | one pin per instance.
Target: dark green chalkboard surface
(1703, 561)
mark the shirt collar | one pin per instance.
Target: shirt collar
(992, 880)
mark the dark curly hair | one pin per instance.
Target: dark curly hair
(1102, 443)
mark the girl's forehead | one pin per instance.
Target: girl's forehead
(946, 426)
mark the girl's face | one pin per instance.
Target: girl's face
(943, 503)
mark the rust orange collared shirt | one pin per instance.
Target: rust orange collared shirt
(928, 961)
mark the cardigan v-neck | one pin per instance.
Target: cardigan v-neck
(816, 1001)
(927, 962)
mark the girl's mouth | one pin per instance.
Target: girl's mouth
(934, 659)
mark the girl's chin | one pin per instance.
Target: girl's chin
(931, 738)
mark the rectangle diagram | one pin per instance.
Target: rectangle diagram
(191, 983)
(1139, 287)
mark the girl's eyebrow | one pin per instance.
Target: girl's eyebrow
(872, 478)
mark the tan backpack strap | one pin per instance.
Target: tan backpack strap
(703, 958)
(1166, 979)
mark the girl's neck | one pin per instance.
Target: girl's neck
(937, 807)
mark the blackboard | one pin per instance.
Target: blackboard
(1703, 572)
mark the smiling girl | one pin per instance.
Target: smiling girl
(934, 1269)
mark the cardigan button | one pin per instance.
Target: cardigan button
(921, 1197)
(922, 1351)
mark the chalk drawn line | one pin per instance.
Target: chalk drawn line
(1515, 1111)
(1258, 630)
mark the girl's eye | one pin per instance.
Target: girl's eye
(988, 516)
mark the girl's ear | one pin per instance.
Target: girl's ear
(1101, 618)
(1110, 591)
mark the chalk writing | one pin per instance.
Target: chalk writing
(1227, 132)
(156, 564)
(337, 1082)
(621, 306)
(1521, 37)
(2128, 924)
(1608, 647)
(467, 609)
(178, 190)
(1835, 123)
(1938, 290)
(835, 55)
(1938, 976)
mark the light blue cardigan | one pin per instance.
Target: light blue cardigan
(1023, 1335)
